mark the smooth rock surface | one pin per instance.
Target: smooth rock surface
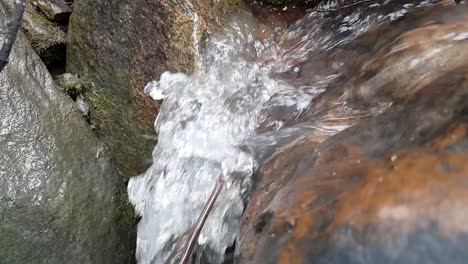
(391, 189)
(117, 47)
(358, 77)
(61, 198)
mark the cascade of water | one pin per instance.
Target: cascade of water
(206, 115)
(202, 119)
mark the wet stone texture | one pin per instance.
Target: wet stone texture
(362, 76)
(117, 47)
(392, 187)
(61, 198)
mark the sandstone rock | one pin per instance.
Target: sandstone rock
(61, 198)
(119, 46)
(390, 189)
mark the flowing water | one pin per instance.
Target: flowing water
(205, 116)
(202, 119)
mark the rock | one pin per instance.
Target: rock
(47, 38)
(433, 43)
(71, 84)
(389, 190)
(61, 198)
(55, 10)
(301, 3)
(120, 46)
(82, 106)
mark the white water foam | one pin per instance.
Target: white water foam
(202, 119)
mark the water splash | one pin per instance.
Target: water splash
(202, 119)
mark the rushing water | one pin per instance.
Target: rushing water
(206, 115)
(202, 119)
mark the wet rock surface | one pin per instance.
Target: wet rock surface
(389, 189)
(378, 65)
(61, 198)
(117, 47)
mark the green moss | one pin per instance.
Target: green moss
(51, 34)
(100, 101)
(127, 215)
(88, 84)
(101, 106)
(123, 76)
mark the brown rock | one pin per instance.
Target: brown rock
(391, 189)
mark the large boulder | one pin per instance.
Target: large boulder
(390, 189)
(118, 46)
(61, 198)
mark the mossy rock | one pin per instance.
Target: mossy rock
(61, 197)
(139, 45)
(47, 38)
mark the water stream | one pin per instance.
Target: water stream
(205, 116)
(202, 119)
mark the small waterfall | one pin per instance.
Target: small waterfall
(202, 119)
(188, 7)
(205, 116)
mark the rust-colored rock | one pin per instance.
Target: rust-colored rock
(391, 189)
